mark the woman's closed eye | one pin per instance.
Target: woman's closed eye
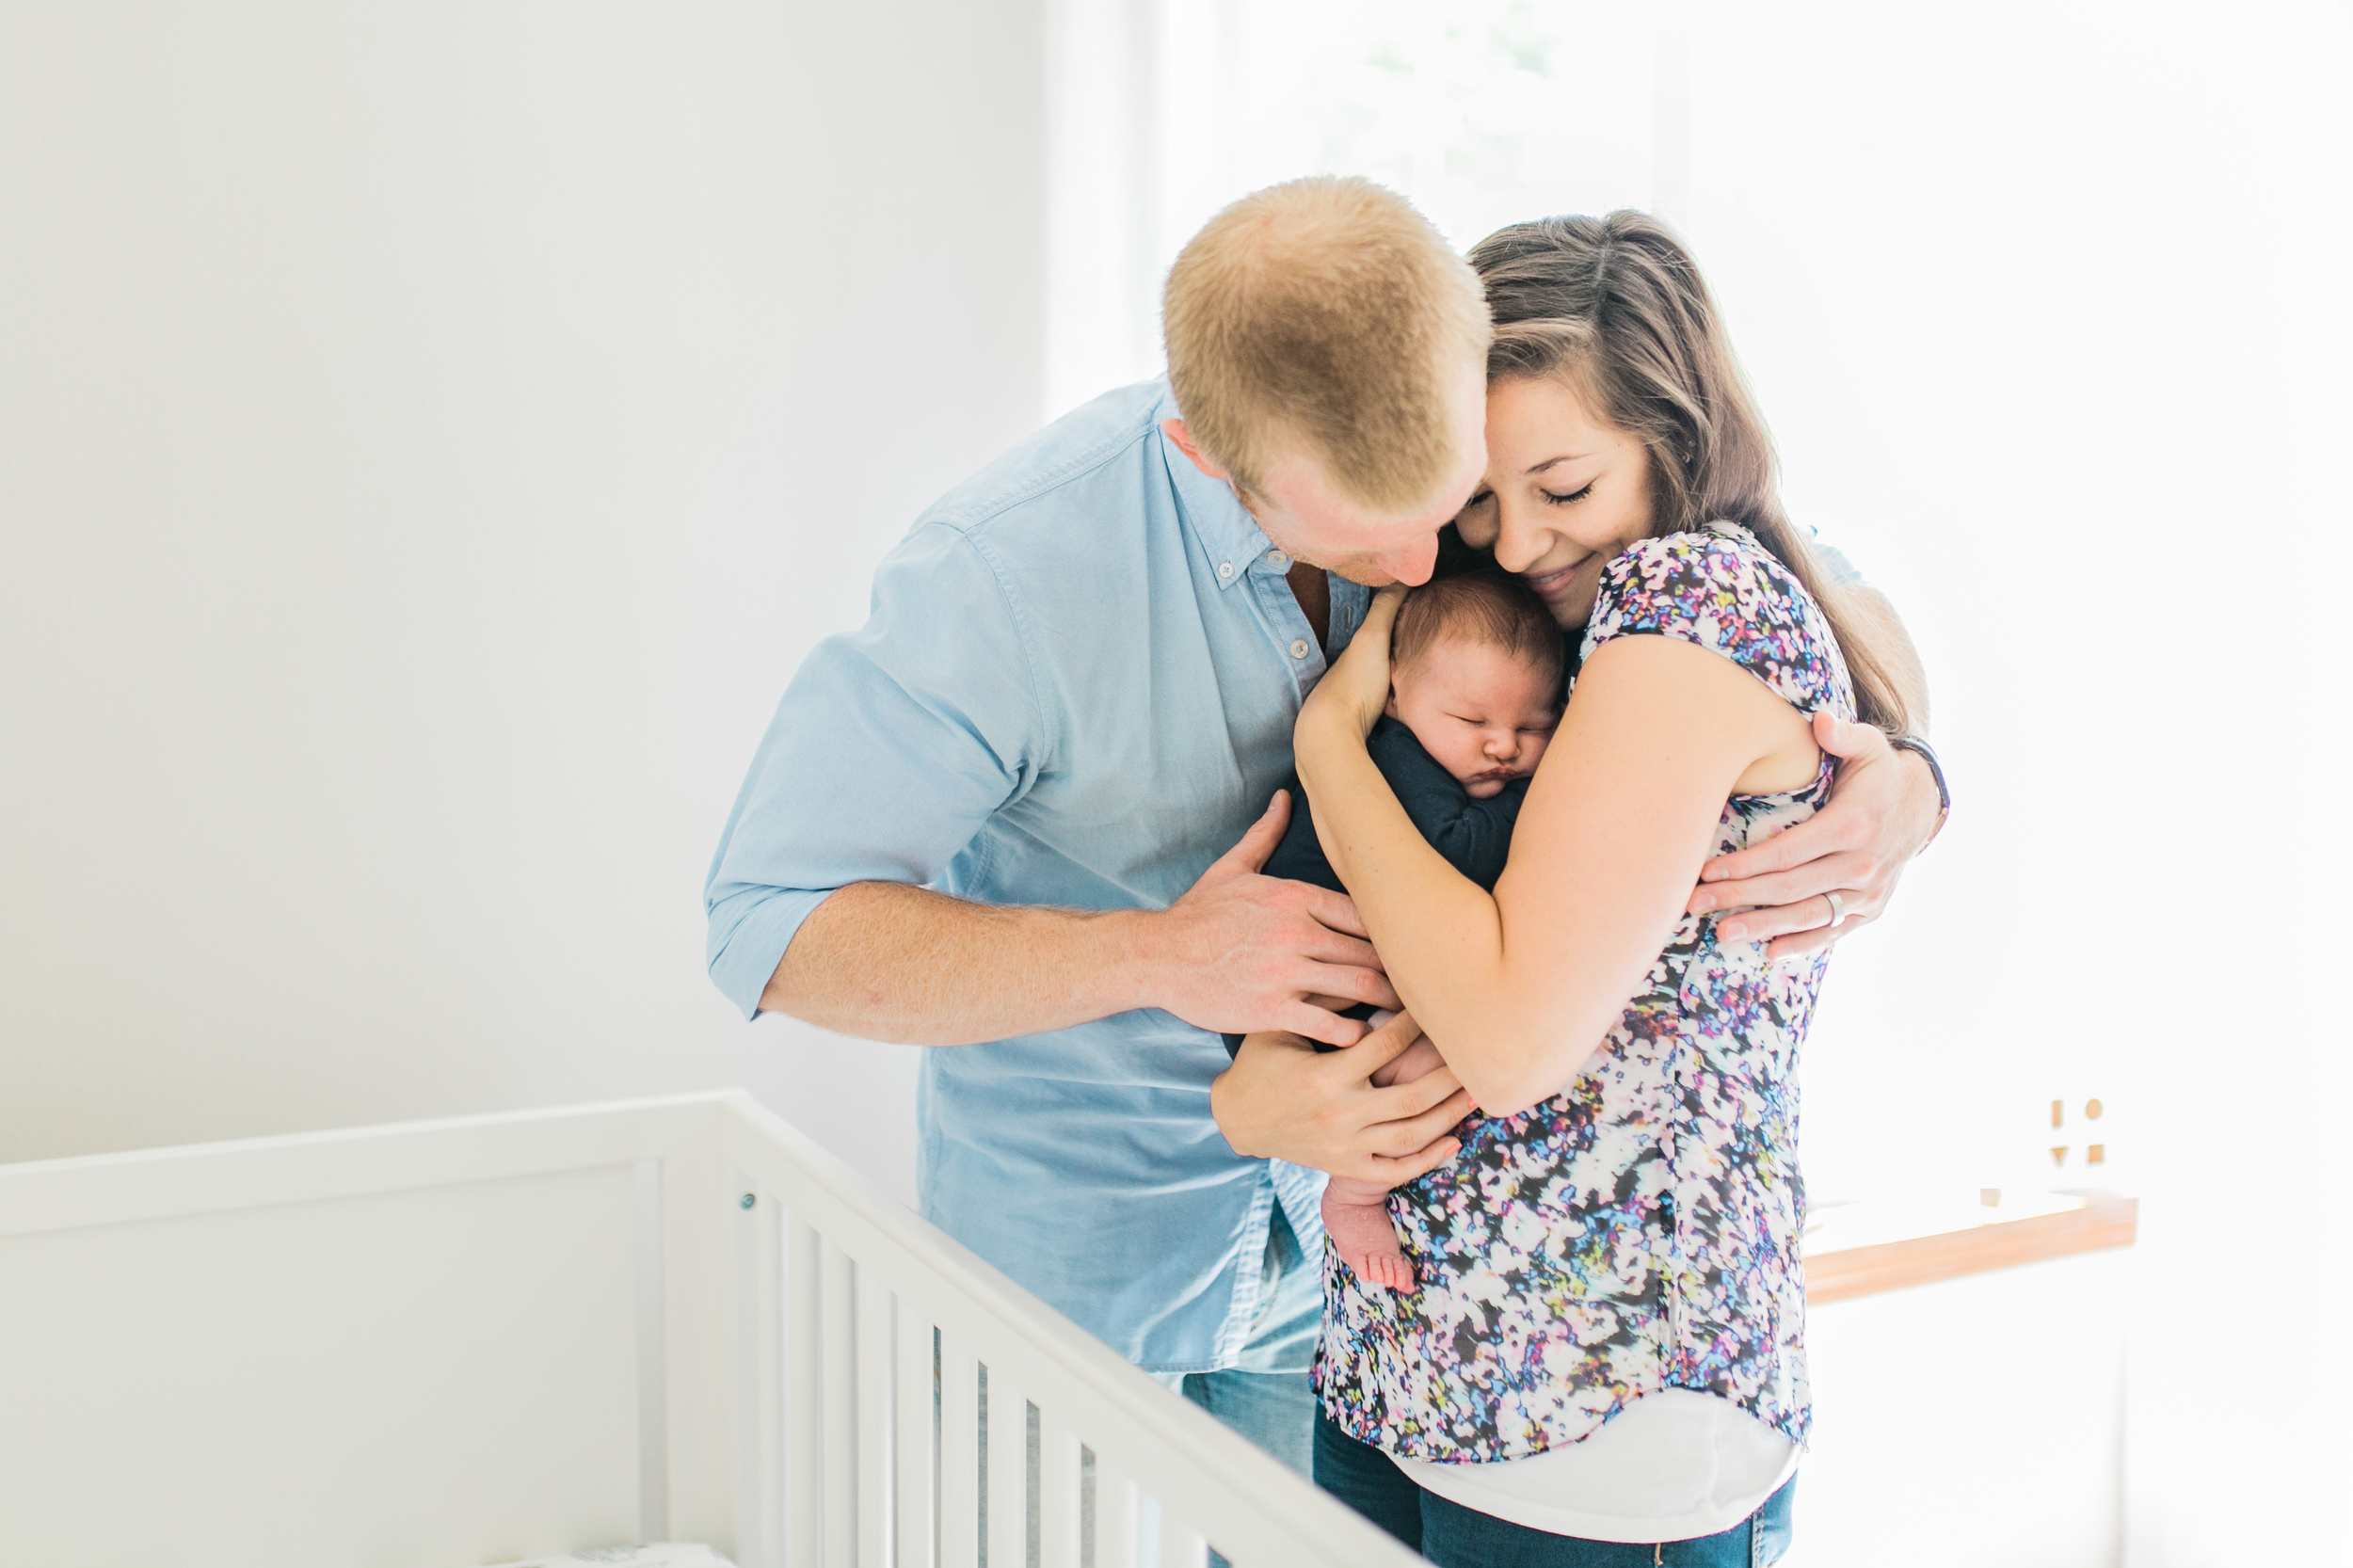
(1556, 499)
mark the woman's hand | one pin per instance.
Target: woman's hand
(1353, 692)
(1281, 1099)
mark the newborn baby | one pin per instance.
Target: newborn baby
(1476, 666)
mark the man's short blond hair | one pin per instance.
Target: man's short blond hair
(1325, 310)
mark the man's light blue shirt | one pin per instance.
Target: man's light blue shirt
(1075, 687)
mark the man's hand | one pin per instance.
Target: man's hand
(1882, 811)
(1241, 951)
(1283, 1099)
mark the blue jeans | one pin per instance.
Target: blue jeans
(1274, 1410)
(1454, 1536)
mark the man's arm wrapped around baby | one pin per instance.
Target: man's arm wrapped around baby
(1474, 836)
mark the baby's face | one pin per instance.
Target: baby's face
(1485, 714)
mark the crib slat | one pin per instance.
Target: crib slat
(842, 1412)
(1181, 1547)
(911, 1431)
(959, 1451)
(653, 1438)
(1008, 1471)
(1057, 1492)
(761, 1370)
(873, 1421)
(804, 1523)
(1115, 1524)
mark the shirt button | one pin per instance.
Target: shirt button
(1299, 648)
(1225, 568)
(1276, 559)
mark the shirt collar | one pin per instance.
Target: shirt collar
(1231, 538)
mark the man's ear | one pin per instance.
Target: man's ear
(1175, 430)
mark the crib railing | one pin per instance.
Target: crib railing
(490, 1337)
(946, 1415)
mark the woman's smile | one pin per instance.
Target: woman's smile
(1559, 583)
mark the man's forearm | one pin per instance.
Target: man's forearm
(885, 961)
(1237, 951)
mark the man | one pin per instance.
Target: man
(1014, 813)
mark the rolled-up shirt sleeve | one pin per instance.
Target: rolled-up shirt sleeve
(1843, 571)
(892, 745)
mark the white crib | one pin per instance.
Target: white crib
(470, 1341)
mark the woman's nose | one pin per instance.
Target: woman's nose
(1518, 544)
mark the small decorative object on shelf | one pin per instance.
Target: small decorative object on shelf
(2090, 1110)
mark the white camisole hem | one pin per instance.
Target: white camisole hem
(1672, 1465)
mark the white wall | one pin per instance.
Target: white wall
(430, 436)
(1973, 1421)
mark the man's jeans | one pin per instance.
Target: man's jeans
(1274, 1410)
(1266, 1397)
(1454, 1536)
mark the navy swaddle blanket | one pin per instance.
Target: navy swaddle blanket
(1474, 835)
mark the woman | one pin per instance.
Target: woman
(1603, 1361)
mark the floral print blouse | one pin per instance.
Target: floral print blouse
(1640, 1230)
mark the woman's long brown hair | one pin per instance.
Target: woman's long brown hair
(1617, 306)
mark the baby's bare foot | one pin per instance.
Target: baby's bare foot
(1356, 1214)
(1390, 1271)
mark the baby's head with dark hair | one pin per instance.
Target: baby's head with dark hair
(1476, 663)
(1490, 607)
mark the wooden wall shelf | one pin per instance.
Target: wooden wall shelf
(1864, 1248)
